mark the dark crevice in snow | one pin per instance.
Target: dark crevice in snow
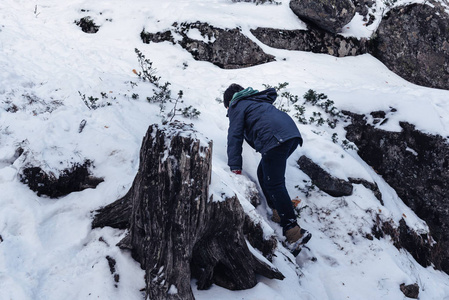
(74, 179)
(87, 25)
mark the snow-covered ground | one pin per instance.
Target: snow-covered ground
(48, 66)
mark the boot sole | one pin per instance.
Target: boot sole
(297, 247)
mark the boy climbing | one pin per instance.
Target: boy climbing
(253, 118)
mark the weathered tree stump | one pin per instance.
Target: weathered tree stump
(176, 230)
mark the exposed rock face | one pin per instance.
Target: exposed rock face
(313, 40)
(362, 7)
(420, 245)
(413, 42)
(330, 15)
(226, 48)
(415, 164)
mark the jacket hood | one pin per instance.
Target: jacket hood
(268, 95)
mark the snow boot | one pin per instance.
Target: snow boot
(296, 237)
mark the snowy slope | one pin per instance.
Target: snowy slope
(47, 249)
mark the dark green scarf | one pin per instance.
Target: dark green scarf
(243, 94)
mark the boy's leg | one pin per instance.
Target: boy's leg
(275, 216)
(260, 177)
(272, 167)
(273, 164)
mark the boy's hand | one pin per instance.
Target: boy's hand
(238, 172)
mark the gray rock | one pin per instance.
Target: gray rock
(226, 48)
(413, 42)
(415, 164)
(157, 37)
(330, 15)
(410, 291)
(324, 181)
(314, 40)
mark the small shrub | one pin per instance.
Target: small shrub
(162, 93)
(317, 109)
(147, 71)
(93, 102)
(335, 138)
(190, 112)
(347, 145)
(307, 189)
(31, 103)
(285, 97)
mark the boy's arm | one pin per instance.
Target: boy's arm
(235, 138)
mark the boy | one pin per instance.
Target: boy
(273, 133)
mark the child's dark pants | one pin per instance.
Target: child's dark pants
(271, 175)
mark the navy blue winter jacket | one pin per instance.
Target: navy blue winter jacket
(262, 125)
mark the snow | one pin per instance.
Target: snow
(47, 247)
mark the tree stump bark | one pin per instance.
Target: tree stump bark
(176, 230)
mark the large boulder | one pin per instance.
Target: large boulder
(413, 42)
(329, 184)
(415, 164)
(332, 185)
(226, 48)
(330, 15)
(313, 40)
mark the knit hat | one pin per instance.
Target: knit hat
(229, 93)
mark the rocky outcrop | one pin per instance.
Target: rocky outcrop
(415, 164)
(313, 40)
(330, 15)
(365, 9)
(226, 48)
(420, 245)
(332, 185)
(413, 42)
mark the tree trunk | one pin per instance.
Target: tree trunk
(176, 230)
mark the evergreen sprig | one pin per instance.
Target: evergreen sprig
(162, 92)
